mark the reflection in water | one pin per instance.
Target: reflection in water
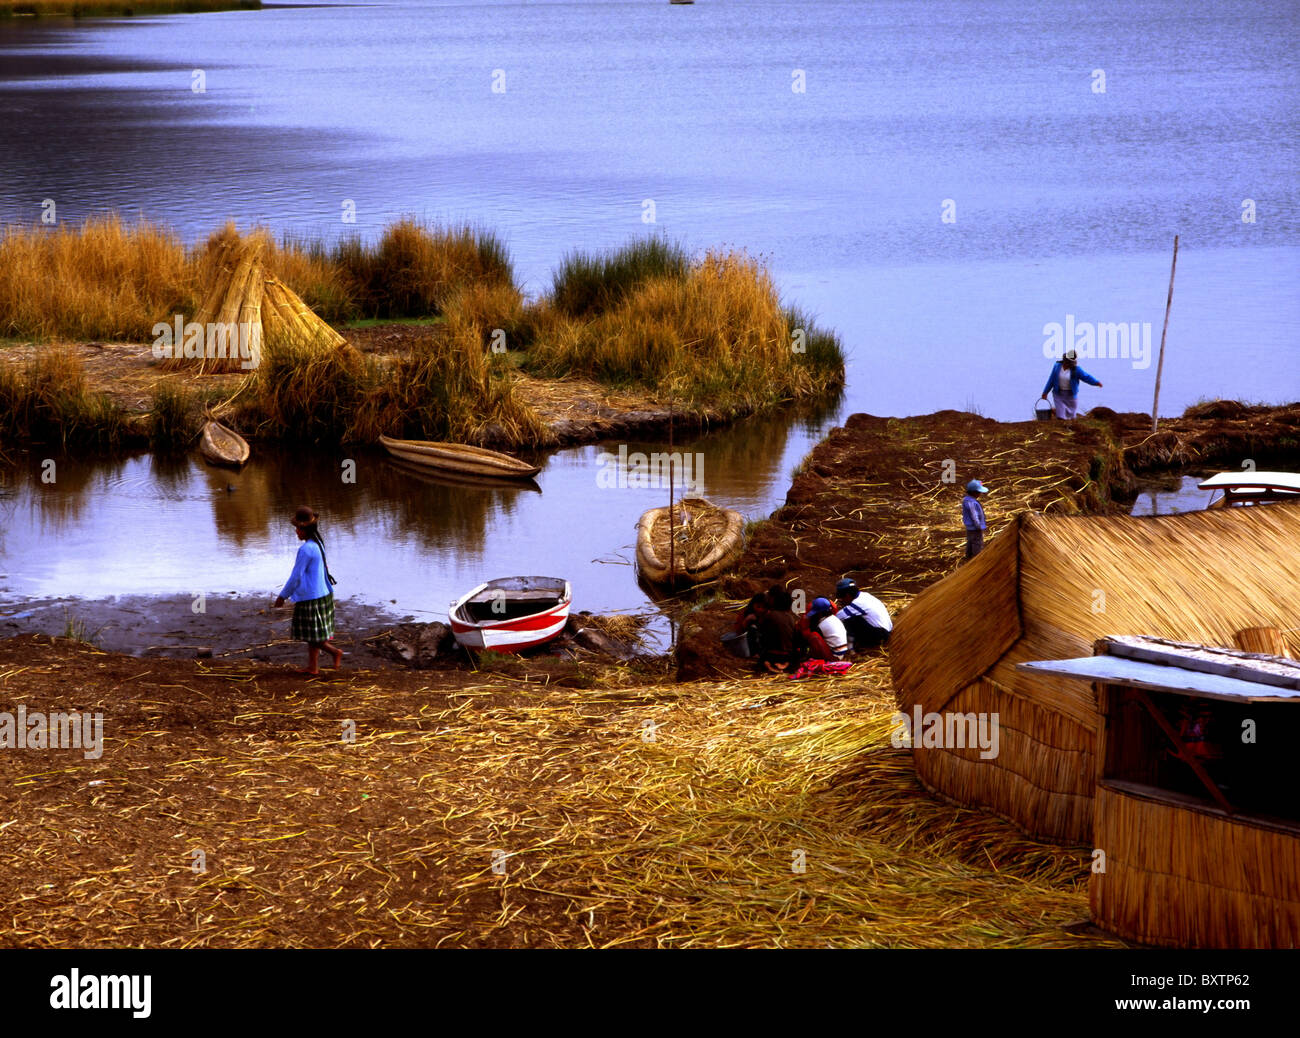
(155, 525)
(1172, 496)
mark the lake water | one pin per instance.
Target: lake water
(1061, 199)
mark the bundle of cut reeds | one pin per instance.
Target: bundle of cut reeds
(254, 308)
(288, 321)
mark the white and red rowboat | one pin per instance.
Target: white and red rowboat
(511, 613)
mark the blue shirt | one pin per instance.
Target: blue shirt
(307, 581)
(1075, 375)
(972, 513)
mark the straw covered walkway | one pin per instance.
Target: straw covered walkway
(230, 809)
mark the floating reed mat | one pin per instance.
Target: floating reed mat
(233, 807)
(254, 308)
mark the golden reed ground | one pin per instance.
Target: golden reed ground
(485, 810)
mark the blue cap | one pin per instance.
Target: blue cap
(821, 605)
(976, 487)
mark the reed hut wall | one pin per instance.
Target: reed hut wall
(1047, 588)
(1184, 877)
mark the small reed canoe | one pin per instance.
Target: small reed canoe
(708, 541)
(511, 613)
(222, 446)
(461, 480)
(459, 458)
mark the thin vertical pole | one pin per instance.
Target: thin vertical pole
(672, 528)
(1160, 367)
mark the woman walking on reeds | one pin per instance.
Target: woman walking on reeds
(310, 587)
(1063, 384)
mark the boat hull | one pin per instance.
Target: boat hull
(222, 446)
(535, 611)
(459, 458)
(461, 480)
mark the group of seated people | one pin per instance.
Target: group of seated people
(830, 630)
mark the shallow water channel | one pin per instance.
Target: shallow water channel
(149, 525)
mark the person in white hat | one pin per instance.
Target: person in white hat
(1063, 384)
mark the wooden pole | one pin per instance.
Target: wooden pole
(672, 529)
(1160, 367)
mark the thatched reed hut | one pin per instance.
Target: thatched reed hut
(1197, 828)
(1047, 588)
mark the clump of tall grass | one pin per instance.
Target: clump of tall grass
(414, 270)
(50, 401)
(106, 279)
(496, 308)
(447, 387)
(592, 283)
(821, 348)
(102, 279)
(310, 393)
(174, 418)
(715, 337)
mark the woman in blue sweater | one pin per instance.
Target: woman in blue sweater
(1063, 384)
(310, 589)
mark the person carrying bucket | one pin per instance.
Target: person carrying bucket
(1063, 384)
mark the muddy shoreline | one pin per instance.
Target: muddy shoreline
(246, 629)
(231, 627)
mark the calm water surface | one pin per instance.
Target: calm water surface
(1066, 201)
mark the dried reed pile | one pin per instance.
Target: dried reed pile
(502, 813)
(287, 319)
(1047, 588)
(253, 309)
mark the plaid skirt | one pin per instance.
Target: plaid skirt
(313, 620)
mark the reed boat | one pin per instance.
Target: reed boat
(707, 540)
(1251, 488)
(222, 446)
(511, 613)
(459, 458)
(462, 480)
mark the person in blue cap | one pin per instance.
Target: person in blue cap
(972, 517)
(825, 631)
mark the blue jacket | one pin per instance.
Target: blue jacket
(972, 513)
(1075, 376)
(307, 581)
